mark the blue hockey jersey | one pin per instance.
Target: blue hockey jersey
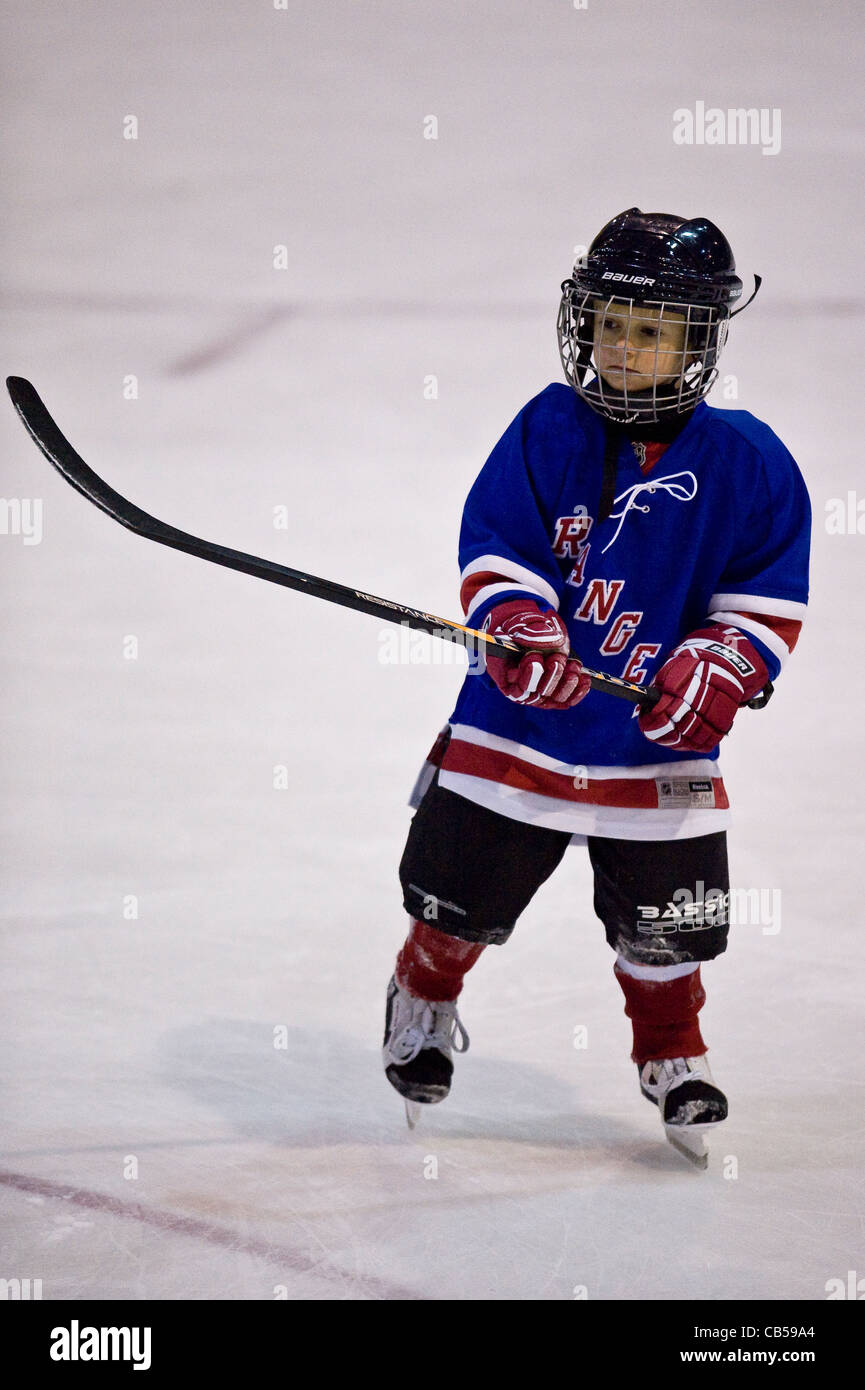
(715, 529)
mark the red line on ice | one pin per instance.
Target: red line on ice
(203, 1230)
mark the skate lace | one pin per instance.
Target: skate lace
(671, 1068)
(664, 1072)
(430, 1025)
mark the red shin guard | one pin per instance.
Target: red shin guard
(432, 964)
(663, 1015)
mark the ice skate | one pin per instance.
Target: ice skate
(419, 1037)
(690, 1103)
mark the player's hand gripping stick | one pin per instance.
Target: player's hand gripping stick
(702, 685)
(548, 675)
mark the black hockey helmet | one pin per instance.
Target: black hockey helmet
(648, 267)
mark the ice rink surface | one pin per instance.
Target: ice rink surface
(205, 777)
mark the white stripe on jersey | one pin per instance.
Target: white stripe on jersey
(777, 646)
(522, 578)
(756, 603)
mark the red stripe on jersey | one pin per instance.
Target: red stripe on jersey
(476, 582)
(434, 755)
(509, 771)
(787, 629)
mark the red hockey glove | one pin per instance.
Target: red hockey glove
(545, 678)
(704, 681)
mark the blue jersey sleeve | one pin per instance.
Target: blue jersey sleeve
(766, 575)
(504, 548)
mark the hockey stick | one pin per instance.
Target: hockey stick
(59, 452)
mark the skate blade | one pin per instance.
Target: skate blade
(691, 1145)
(412, 1112)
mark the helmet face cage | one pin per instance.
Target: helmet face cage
(674, 391)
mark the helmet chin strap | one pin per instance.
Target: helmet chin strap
(758, 280)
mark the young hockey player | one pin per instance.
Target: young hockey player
(624, 523)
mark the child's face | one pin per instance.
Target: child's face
(637, 347)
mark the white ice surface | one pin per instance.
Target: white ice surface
(153, 1039)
